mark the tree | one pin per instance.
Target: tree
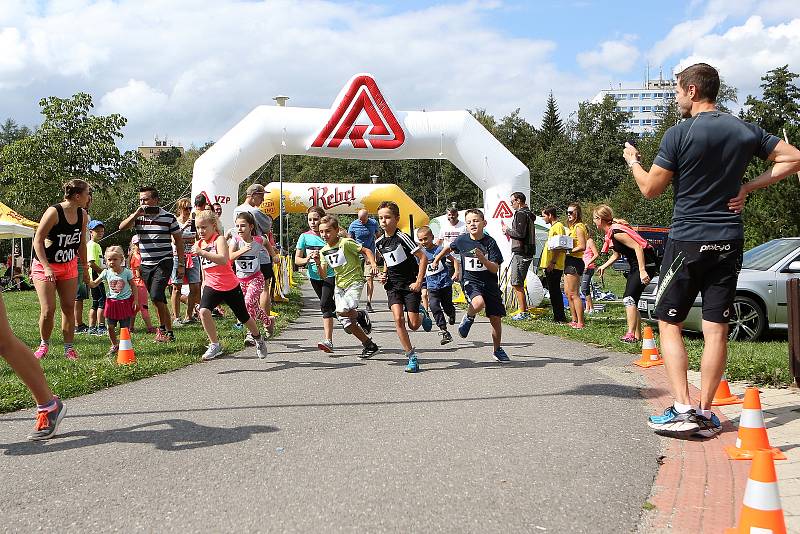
(69, 143)
(727, 93)
(780, 103)
(10, 131)
(169, 157)
(552, 130)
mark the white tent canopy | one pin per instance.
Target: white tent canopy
(9, 230)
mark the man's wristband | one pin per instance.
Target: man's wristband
(634, 162)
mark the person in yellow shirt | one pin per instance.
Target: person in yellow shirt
(553, 264)
(573, 263)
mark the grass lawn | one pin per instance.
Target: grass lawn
(94, 370)
(764, 362)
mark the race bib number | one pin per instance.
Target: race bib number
(474, 264)
(335, 258)
(247, 265)
(395, 257)
(205, 262)
(430, 271)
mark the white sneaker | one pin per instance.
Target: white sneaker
(214, 350)
(325, 346)
(249, 340)
(261, 348)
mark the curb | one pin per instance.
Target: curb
(697, 488)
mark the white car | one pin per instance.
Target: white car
(760, 302)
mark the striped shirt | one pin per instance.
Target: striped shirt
(155, 236)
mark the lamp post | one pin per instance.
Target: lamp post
(280, 101)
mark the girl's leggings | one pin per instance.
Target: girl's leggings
(143, 300)
(252, 288)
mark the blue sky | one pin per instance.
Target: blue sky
(190, 69)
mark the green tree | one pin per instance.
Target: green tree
(727, 94)
(169, 157)
(780, 104)
(552, 130)
(10, 131)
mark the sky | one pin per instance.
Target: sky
(191, 69)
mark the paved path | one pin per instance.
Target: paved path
(303, 442)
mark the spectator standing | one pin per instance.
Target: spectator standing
(94, 253)
(364, 231)
(552, 262)
(191, 271)
(589, 256)
(573, 263)
(523, 247)
(83, 290)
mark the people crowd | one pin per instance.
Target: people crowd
(191, 248)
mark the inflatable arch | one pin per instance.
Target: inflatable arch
(362, 125)
(342, 198)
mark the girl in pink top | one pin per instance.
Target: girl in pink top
(589, 257)
(220, 285)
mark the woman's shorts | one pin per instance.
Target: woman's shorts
(574, 266)
(191, 275)
(61, 271)
(634, 286)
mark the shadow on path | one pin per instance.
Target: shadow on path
(166, 435)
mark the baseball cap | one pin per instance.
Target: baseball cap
(95, 223)
(255, 188)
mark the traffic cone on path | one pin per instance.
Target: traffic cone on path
(650, 356)
(752, 432)
(723, 395)
(125, 354)
(761, 506)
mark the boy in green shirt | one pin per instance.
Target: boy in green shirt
(342, 254)
(94, 253)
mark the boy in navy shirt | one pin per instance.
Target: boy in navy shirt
(439, 284)
(402, 278)
(480, 262)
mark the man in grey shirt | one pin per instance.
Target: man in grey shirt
(705, 158)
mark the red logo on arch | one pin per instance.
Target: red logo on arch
(362, 95)
(503, 211)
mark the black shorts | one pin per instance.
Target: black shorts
(324, 290)
(211, 298)
(156, 278)
(710, 268)
(491, 298)
(123, 323)
(409, 299)
(269, 274)
(634, 286)
(99, 297)
(574, 266)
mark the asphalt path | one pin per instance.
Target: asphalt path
(555, 441)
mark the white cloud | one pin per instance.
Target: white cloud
(613, 56)
(136, 101)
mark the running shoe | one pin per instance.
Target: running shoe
(249, 340)
(521, 316)
(238, 326)
(364, 322)
(370, 308)
(673, 422)
(101, 331)
(369, 350)
(171, 336)
(71, 354)
(92, 330)
(177, 323)
(628, 338)
(214, 350)
(446, 337)
(47, 422)
(112, 351)
(451, 319)
(325, 346)
(427, 324)
(707, 427)
(413, 365)
(161, 336)
(501, 356)
(82, 329)
(270, 326)
(41, 352)
(261, 348)
(466, 324)
(189, 320)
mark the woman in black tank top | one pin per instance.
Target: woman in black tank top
(59, 246)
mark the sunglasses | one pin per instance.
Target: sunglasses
(570, 212)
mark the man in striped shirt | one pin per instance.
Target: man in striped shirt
(157, 230)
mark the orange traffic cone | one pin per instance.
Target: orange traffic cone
(723, 395)
(761, 506)
(752, 432)
(125, 354)
(650, 356)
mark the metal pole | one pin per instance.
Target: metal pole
(280, 214)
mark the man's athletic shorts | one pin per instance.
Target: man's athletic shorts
(409, 299)
(518, 269)
(491, 298)
(156, 278)
(574, 266)
(710, 268)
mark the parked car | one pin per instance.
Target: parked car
(760, 302)
(655, 235)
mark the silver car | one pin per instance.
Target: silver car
(760, 302)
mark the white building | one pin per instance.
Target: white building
(646, 105)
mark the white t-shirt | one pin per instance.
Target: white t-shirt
(449, 232)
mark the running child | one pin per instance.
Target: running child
(402, 279)
(94, 253)
(122, 301)
(439, 284)
(134, 262)
(245, 250)
(220, 284)
(480, 261)
(342, 255)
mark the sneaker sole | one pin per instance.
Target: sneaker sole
(55, 426)
(674, 428)
(368, 355)
(324, 348)
(410, 370)
(445, 341)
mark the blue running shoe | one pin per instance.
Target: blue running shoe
(501, 356)
(412, 366)
(673, 422)
(427, 324)
(466, 324)
(707, 427)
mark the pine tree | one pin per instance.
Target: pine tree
(552, 127)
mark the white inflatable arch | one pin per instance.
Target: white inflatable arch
(361, 125)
